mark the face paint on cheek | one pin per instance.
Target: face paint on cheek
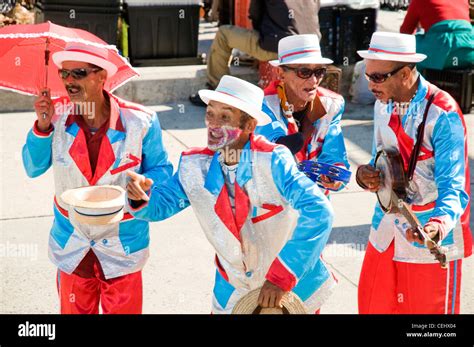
(220, 137)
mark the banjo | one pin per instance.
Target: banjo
(392, 195)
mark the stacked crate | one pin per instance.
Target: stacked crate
(99, 17)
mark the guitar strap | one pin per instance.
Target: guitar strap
(419, 138)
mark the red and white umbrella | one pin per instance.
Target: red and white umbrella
(25, 58)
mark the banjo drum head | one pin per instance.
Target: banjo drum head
(384, 194)
(393, 179)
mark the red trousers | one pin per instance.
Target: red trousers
(79, 295)
(387, 286)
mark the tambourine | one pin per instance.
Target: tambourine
(314, 170)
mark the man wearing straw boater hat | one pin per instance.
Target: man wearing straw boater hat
(399, 275)
(267, 221)
(305, 117)
(99, 249)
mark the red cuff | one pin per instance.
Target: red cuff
(41, 133)
(340, 165)
(279, 275)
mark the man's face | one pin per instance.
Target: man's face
(87, 88)
(304, 89)
(225, 127)
(391, 87)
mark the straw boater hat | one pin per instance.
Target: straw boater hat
(96, 205)
(240, 94)
(299, 49)
(393, 47)
(85, 53)
(248, 304)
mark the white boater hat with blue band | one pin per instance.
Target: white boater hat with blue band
(392, 47)
(96, 205)
(300, 49)
(240, 94)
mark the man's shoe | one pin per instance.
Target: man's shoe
(196, 99)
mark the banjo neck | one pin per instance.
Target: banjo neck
(410, 216)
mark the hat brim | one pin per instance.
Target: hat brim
(307, 60)
(105, 219)
(249, 303)
(412, 58)
(208, 95)
(95, 205)
(61, 56)
(95, 197)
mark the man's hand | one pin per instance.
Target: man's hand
(44, 105)
(431, 229)
(369, 177)
(270, 295)
(330, 184)
(138, 186)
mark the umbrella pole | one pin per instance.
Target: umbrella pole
(46, 63)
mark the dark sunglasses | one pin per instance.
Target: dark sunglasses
(382, 77)
(77, 74)
(305, 73)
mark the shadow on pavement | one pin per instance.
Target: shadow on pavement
(182, 116)
(355, 234)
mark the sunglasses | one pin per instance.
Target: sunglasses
(305, 73)
(77, 74)
(382, 77)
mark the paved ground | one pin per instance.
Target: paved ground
(179, 275)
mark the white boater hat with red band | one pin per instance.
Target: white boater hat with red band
(240, 94)
(76, 51)
(300, 49)
(393, 47)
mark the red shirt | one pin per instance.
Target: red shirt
(86, 266)
(93, 139)
(430, 12)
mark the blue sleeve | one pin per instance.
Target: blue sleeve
(166, 199)
(37, 152)
(273, 130)
(449, 170)
(155, 163)
(303, 249)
